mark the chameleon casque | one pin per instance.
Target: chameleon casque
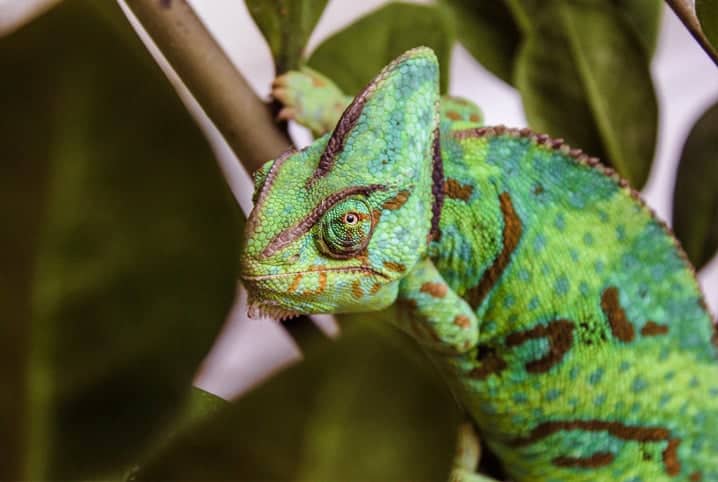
(565, 316)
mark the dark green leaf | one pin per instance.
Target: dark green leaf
(122, 243)
(356, 409)
(352, 57)
(583, 76)
(489, 33)
(707, 12)
(286, 25)
(645, 18)
(695, 199)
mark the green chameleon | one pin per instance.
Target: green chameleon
(565, 315)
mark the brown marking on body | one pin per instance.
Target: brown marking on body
(599, 459)
(453, 115)
(651, 328)
(475, 118)
(696, 477)
(317, 81)
(395, 267)
(538, 189)
(620, 326)
(491, 363)
(437, 290)
(560, 339)
(462, 321)
(581, 158)
(357, 292)
(617, 429)
(455, 190)
(511, 235)
(670, 457)
(397, 201)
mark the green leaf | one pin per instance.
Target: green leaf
(707, 13)
(123, 241)
(583, 76)
(489, 33)
(695, 199)
(352, 57)
(645, 18)
(355, 409)
(286, 25)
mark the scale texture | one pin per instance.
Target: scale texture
(564, 314)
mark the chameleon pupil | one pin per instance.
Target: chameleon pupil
(351, 219)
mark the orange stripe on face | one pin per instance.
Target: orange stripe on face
(295, 283)
(357, 292)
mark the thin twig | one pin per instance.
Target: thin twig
(242, 118)
(685, 10)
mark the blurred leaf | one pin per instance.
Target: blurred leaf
(707, 12)
(122, 240)
(198, 407)
(286, 25)
(489, 33)
(584, 76)
(355, 409)
(645, 17)
(695, 199)
(352, 57)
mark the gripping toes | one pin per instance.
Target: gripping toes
(310, 99)
(437, 316)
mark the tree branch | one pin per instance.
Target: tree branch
(685, 11)
(242, 118)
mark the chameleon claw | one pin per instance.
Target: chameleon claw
(280, 81)
(287, 113)
(281, 94)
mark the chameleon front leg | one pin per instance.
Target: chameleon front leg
(436, 316)
(442, 321)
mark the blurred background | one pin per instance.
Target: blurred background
(685, 79)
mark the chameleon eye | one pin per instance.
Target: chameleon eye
(346, 228)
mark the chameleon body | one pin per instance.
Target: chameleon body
(564, 314)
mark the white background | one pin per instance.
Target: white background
(686, 83)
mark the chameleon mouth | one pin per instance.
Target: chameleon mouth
(353, 269)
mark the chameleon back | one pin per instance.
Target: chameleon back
(595, 358)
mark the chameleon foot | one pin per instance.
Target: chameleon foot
(310, 99)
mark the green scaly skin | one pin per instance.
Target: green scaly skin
(564, 314)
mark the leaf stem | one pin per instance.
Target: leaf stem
(685, 10)
(224, 94)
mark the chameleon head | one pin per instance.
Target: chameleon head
(337, 225)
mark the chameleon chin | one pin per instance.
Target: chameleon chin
(566, 314)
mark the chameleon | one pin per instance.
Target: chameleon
(564, 315)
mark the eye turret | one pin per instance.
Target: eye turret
(346, 228)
